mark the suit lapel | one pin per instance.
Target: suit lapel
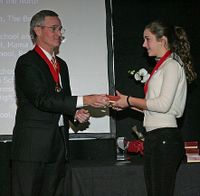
(63, 73)
(45, 69)
(65, 79)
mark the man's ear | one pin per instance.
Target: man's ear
(37, 31)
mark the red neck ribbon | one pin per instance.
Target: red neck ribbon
(162, 59)
(54, 73)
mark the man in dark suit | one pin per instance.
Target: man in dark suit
(44, 107)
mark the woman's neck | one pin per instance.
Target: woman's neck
(161, 54)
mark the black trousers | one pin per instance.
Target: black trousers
(42, 178)
(163, 152)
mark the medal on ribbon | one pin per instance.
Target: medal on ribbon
(53, 66)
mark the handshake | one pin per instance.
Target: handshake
(98, 101)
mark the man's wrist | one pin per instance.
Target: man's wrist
(87, 100)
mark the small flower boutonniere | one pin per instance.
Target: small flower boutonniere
(141, 75)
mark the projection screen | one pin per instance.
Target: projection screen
(84, 49)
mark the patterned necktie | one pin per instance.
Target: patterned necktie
(53, 61)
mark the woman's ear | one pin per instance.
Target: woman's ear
(164, 41)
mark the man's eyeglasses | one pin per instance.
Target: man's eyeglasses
(54, 29)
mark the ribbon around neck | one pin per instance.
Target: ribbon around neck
(162, 59)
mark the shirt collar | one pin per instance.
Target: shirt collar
(49, 56)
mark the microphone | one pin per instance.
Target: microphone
(62, 39)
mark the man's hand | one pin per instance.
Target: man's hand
(82, 115)
(96, 101)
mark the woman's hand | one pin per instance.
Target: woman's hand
(121, 103)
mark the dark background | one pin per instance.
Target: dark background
(129, 20)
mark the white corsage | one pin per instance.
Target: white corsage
(141, 75)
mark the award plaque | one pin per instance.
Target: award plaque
(113, 98)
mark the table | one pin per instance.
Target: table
(122, 178)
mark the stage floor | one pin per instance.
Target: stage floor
(109, 178)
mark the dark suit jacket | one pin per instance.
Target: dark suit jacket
(36, 135)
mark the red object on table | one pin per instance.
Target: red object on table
(136, 146)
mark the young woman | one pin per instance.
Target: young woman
(164, 102)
